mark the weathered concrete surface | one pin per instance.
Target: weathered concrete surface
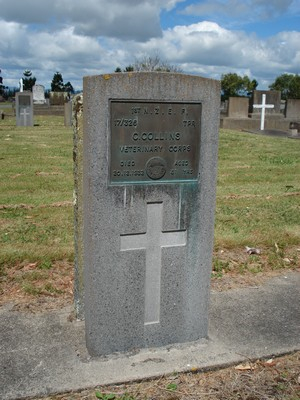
(45, 353)
(120, 277)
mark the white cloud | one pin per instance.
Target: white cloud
(93, 37)
(209, 49)
(124, 19)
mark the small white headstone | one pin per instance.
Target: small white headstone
(38, 92)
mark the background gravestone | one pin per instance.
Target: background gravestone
(238, 107)
(38, 92)
(24, 109)
(292, 109)
(68, 113)
(272, 97)
(149, 173)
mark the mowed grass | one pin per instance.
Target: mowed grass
(36, 211)
(258, 192)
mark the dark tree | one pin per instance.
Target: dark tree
(288, 84)
(28, 80)
(2, 87)
(69, 88)
(129, 68)
(57, 84)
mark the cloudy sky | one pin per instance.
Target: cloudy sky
(259, 38)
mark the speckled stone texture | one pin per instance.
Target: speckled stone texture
(116, 278)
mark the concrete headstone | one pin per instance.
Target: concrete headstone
(24, 109)
(272, 97)
(149, 175)
(68, 113)
(238, 107)
(292, 109)
(38, 92)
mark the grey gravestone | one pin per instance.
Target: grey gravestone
(292, 109)
(149, 172)
(24, 109)
(272, 97)
(238, 107)
(38, 92)
(68, 113)
(78, 198)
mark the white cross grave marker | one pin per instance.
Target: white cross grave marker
(21, 85)
(152, 241)
(24, 113)
(263, 107)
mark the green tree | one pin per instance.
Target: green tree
(234, 85)
(57, 84)
(69, 88)
(288, 84)
(28, 80)
(129, 68)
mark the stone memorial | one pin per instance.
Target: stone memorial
(292, 109)
(68, 113)
(238, 107)
(24, 108)
(150, 144)
(38, 92)
(272, 97)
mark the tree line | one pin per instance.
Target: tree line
(57, 84)
(232, 84)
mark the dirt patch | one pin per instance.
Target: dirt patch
(37, 287)
(29, 206)
(237, 268)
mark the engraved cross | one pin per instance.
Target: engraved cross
(153, 241)
(24, 113)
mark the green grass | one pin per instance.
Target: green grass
(257, 195)
(258, 191)
(36, 178)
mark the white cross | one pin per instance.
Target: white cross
(263, 107)
(21, 85)
(152, 241)
(24, 112)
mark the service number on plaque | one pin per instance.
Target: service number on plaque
(154, 142)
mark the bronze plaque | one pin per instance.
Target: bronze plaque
(154, 142)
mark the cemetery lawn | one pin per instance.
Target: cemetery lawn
(258, 192)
